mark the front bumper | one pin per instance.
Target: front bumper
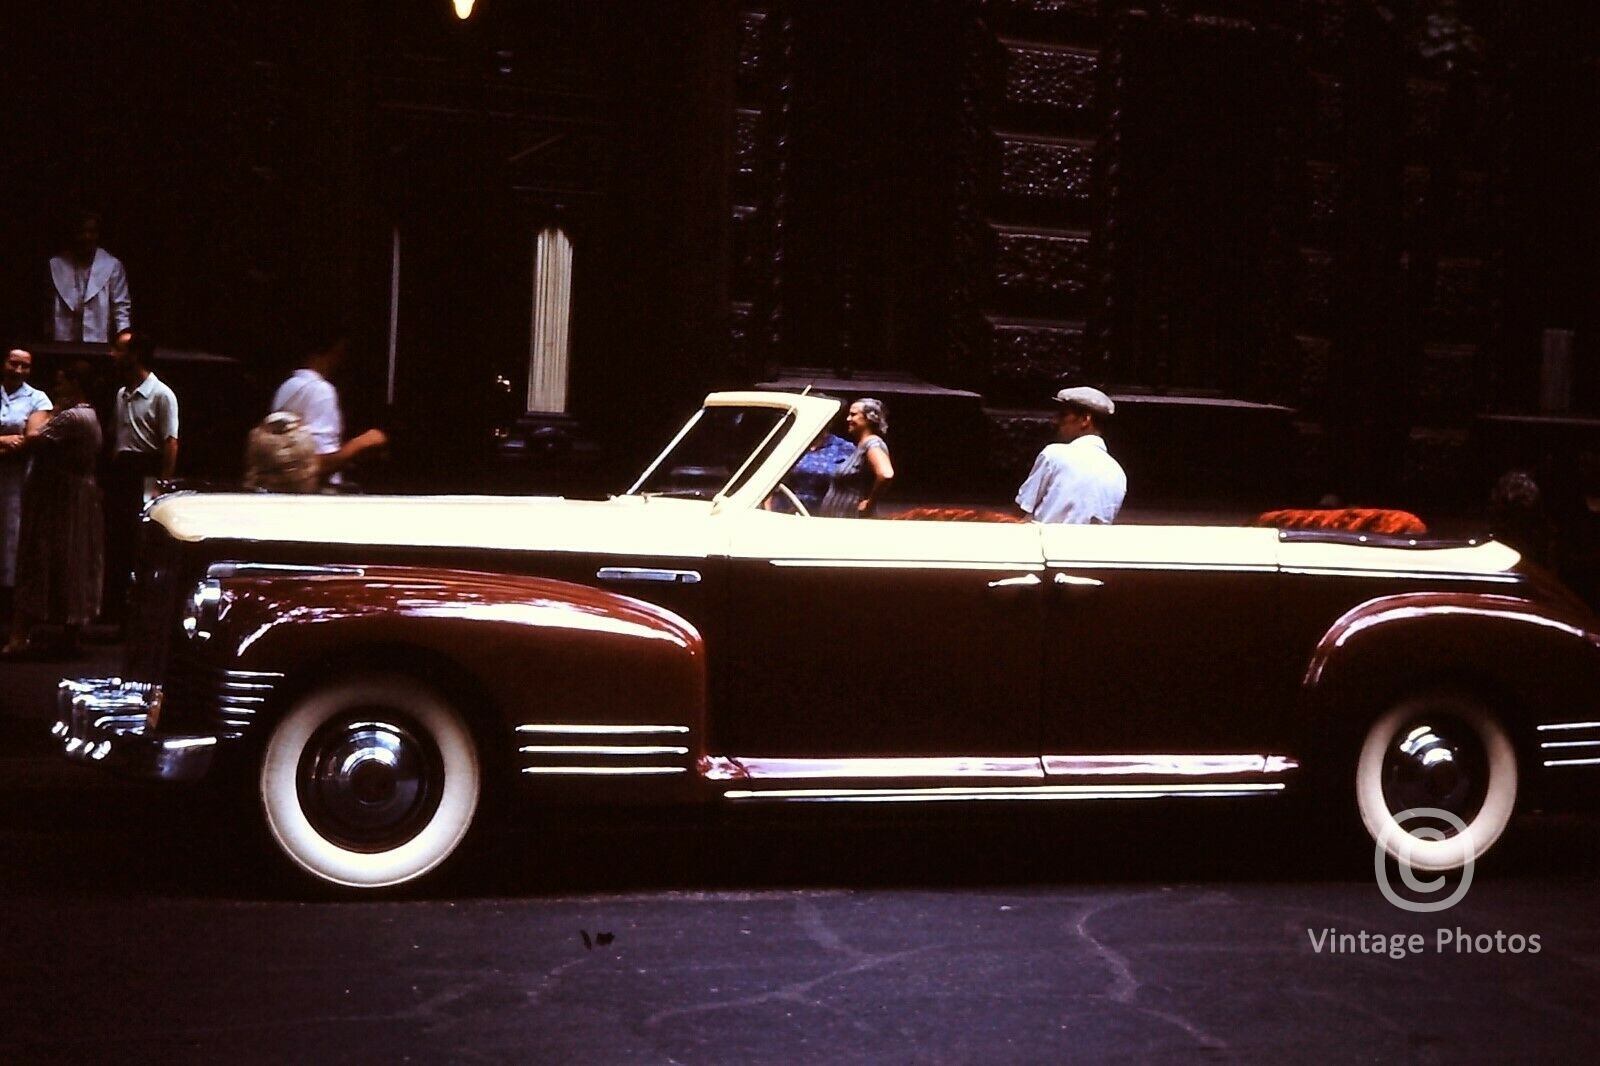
(104, 721)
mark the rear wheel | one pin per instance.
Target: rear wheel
(1436, 781)
(370, 781)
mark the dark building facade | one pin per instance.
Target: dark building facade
(584, 213)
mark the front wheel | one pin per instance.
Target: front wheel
(1436, 781)
(370, 781)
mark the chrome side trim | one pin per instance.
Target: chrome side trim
(232, 568)
(1167, 765)
(1040, 792)
(600, 749)
(645, 573)
(1569, 725)
(1410, 575)
(962, 767)
(1547, 745)
(904, 564)
(599, 729)
(606, 771)
(1572, 762)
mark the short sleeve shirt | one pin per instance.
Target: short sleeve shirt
(15, 407)
(1074, 482)
(147, 417)
(313, 397)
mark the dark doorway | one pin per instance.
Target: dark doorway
(875, 106)
(1203, 114)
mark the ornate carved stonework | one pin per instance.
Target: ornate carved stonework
(1045, 168)
(1031, 355)
(1444, 381)
(1055, 78)
(752, 53)
(1041, 263)
(1322, 189)
(1044, 7)
(1316, 281)
(746, 142)
(1458, 288)
(1425, 100)
(1315, 353)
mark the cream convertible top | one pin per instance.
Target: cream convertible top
(735, 524)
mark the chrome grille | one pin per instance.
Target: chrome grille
(208, 698)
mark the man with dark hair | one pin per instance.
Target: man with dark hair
(145, 447)
(310, 395)
(1075, 479)
(90, 300)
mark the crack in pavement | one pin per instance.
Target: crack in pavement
(798, 992)
(1125, 986)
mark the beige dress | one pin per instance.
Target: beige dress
(60, 554)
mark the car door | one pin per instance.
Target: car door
(1161, 639)
(862, 639)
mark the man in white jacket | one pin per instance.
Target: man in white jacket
(89, 298)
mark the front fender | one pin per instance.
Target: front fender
(547, 657)
(1536, 662)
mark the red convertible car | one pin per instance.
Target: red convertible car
(379, 668)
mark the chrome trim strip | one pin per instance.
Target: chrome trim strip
(1414, 575)
(229, 568)
(833, 769)
(1570, 725)
(1167, 765)
(645, 573)
(904, 564)
(1040, 792)
(600, 749)
(598, 729)
(605, 771)
(1111, 564)
(1572, 762)
(1570, 744)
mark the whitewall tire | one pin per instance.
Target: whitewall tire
(370, 782)
(1444, 752)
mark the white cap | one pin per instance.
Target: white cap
(1088, 398)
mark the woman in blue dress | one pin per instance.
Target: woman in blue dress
(810, 478)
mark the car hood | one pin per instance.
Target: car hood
(623, 524)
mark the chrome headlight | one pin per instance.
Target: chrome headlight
(201, 609)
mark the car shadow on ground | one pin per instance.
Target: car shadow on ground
(184, 842)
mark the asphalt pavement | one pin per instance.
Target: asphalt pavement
(145, 923)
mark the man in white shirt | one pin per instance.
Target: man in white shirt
(145, 447)
(309, 394)
(1075, 479)
(90, 300)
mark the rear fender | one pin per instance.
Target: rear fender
(1486, 645)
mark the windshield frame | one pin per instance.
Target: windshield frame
(810, 415)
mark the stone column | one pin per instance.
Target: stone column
(552, 308)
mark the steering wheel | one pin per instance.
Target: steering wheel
(794, 501)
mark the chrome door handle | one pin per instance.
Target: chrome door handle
(645, 573)
(1023, 581)
(1076, 583)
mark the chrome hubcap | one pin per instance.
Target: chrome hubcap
(1436, 762)
(369, 782)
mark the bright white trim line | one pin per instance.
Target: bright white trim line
(1038, 792)
(600, 749)
(605, 771)
(597, 729)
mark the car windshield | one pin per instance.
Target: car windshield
(717, 452)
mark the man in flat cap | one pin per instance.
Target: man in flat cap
(1075, 479)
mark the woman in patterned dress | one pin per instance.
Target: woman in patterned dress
(861, 479)
(60, 553)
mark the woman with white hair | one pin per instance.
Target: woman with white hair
(862, 478)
